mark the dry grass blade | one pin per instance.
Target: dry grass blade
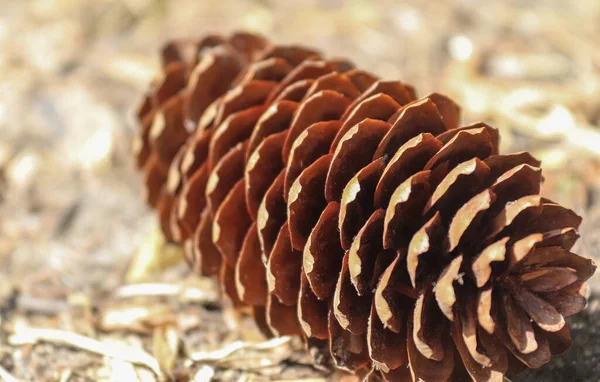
(234, 347)
(55, 336)
(133, 318)
(148, 289)
(204, 374)
(559, 122)
(6, 376)
(188, 293)
(65, 375)
(165, 345)
(154, 256)
(121, 370)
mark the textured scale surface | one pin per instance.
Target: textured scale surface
(344, 209)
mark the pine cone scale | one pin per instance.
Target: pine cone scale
(306, 201)
(357, 203)
(353, 152)
(284, 267)
(326, 105)
(271, 216)
(262, 168)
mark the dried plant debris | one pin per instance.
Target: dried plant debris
(80, 253)
(344, 209)
(55, 336)
(6, 376)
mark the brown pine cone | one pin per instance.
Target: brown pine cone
(343, 209)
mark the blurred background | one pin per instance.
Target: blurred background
(74, 230)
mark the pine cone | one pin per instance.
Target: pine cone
(343, 209)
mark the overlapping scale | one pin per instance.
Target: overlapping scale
(344, 209)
